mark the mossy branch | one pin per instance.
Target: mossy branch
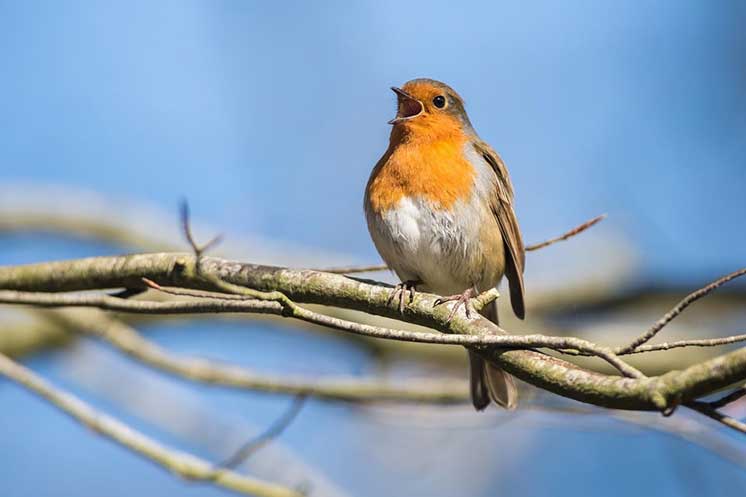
(662, 393)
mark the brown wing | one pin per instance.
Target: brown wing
(502, 207)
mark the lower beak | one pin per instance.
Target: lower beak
(409, 106)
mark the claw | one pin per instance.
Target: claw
(461, 299)
(401, 289)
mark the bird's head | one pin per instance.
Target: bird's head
(429, 105)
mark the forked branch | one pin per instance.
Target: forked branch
(305, 286)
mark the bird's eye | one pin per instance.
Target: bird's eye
(439, 101)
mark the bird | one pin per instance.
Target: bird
(439, 209)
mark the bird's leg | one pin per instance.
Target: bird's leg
(401, 290)
(460, 299)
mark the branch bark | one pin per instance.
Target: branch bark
(661, 393)
(128, 341)
(183, 464)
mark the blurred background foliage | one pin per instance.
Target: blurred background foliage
(268, 117)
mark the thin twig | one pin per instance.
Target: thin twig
(200, 294)
(355, 269)
(706, 409)
(560, 344)
(575, 231)
(109, 303)
(678, 309)
(198, 250)
(274, 431)
(185, 465)
(696, 342)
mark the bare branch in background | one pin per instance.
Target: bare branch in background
(185, 465)
(277, 428)
(709, 411)
(575, 231)
(125, 339)
(184, 413)
(695, 342)
(187, 230)
(678, 309)
(356, 269)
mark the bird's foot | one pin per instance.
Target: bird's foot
(401, 290)
(461, 299)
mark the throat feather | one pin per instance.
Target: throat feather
(436, 171)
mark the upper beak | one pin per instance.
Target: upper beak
(409, 106)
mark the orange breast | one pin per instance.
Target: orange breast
(430, 165)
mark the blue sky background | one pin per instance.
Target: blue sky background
(268, 117)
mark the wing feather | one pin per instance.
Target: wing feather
(502, 207)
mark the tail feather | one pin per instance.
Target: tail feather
(501, 386)
(480, 395)
(488, 382)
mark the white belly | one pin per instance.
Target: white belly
(438, 247)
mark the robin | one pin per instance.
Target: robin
(439, 206)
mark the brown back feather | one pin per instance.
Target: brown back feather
(502, 207)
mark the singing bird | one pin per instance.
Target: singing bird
(439, 207)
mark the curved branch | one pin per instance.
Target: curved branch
(129, 341)
(678, 309)
(291, 309)
(280, 425)
(185, 465)
(561, 377)
(281, 306)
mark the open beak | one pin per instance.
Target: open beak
(409, 106)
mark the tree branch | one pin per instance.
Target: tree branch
(275, 430)
(127, 340)
(678, 309)
(291, 309)
(569, 234)
(183, 464)
(709, 411)
(223, 304)
(695, 342)
(561, 377)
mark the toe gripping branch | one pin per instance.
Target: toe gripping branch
(401, 291)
